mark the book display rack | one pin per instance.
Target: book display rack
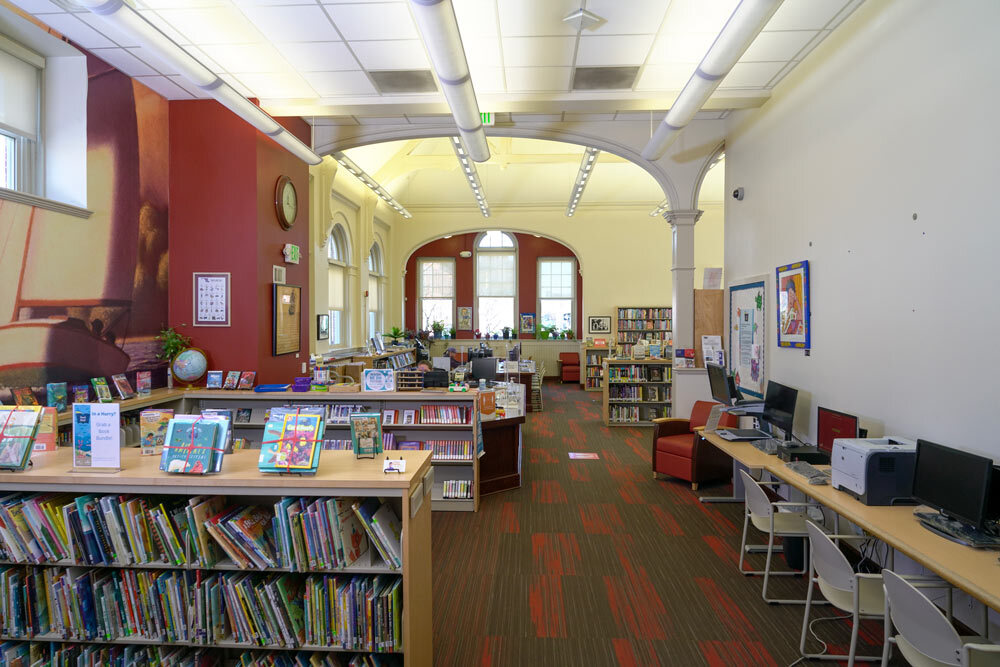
(395, 358)
(652, 323)
(636, 391)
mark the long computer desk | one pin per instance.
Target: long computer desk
(975, 571)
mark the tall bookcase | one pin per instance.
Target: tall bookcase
(340, 475)
(636, 391)
(652, 323)
(592, 377)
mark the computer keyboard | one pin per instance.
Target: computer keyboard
(958, 531)
(807, 470)
(767, 445)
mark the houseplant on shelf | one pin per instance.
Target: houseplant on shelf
(395, 335)
(452, 332)
(546, 331)
(569, 334)
(438, 328)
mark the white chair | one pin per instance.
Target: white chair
(763, 514)
(926, 638)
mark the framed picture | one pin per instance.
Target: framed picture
(211, 300)
(527, 323)
(287, 314)
(599, 324)
(322, 327)
(747, 329)
(792, 282)
(464, 318)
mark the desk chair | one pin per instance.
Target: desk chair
(926, 638)
(763, 514)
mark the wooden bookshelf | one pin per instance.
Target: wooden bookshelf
(340, 474)
(592, 359)
(396, 358)
(652, 323)
(636, 391)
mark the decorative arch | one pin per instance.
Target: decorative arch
(338, 245)
(712, 157)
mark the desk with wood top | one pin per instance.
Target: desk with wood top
(975, 571)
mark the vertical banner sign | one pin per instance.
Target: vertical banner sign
(96, 435)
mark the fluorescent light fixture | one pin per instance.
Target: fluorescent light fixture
(746, 21)
(348, 164)
(660, 210)
(582, 176)
(471, 175)
(438, 28)
(127, 20)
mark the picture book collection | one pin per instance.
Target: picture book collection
(18, 428)
(233, 380)
(366, 434)
(292, 440)
(195, 444)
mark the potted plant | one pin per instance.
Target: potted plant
(569, 334)
(438, 328)
(395, 335)
(546, 331)
(477, 333)
(452, 333)
(506, 333)
(171, 344)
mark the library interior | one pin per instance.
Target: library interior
(489, 326)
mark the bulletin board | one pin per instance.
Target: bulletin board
(747, 326)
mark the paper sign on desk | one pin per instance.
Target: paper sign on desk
(96, 435)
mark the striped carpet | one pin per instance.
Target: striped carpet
(592, 562)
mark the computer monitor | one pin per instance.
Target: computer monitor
(484, 368)
(719, 383)
(779, 407)
(953, 482)
(831, 425)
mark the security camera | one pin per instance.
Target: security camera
(738, 194)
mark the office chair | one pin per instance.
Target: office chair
(926, 638)
(763, 514)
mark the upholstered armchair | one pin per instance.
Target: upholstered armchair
(569, 367)
(680, 452)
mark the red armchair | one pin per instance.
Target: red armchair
(569, 367)
(679, 452)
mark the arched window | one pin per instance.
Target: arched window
(496, 282)
(376, 276)
(338, 253)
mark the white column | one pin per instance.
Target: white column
(682, 225)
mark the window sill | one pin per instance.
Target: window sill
(47, 204)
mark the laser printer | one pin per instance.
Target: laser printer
(876, 471)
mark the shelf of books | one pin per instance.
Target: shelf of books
(593, 369)
(653, 324)
(444, 423)
(394, 358)
(241, 567)
(636, 391)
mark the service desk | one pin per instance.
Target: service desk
(520, 377)
(500, 468)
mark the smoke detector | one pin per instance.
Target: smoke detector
(581, 19)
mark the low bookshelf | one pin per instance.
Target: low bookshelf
(636, 391)
(129, 602)
(652, 323)
(591, 379)
(396, 358)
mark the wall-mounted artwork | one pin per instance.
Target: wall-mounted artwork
(211, 300)
(747, 307)
(792, 282)
(287, 305)
(527, 323)
(464, 318)
(322, 327)
(599, 324)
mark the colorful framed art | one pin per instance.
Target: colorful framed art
(211, 301)
(747, 342)
(527, 323)
(792, 283)
(464, 318)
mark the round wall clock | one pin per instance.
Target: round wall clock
(286, 202)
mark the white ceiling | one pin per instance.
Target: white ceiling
(319, 53)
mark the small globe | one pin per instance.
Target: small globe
(190, 365)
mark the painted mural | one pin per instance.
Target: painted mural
(85, 298)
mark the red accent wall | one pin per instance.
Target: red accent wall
(529, 249)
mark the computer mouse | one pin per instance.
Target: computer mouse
(816, 481)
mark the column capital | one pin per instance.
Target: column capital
(683, 217)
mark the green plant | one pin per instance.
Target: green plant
(437, 327)
(171, 343)
(569, 334)
(395, 334)
(451, 332)
(546, 331)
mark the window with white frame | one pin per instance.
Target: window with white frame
(557, 293)
(496, 282)
(20, 104)
(376, 276)
(338, 256)
(436, 293)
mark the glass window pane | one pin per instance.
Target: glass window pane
(436, 310)
(372, 326)
(555, 278)
(335, 327)
(335, 287)
(495, 274)
(557, 313)
(496, 239)
(495, 313)
(437, 278)
(7, 165)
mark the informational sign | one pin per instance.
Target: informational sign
(487, 118)
(291, 252)
(96, 435)
(211, 300)
(747, 307)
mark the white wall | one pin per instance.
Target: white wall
(894, 115)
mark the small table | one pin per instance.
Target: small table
(500, 467)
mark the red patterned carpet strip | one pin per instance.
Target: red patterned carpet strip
(593, 562)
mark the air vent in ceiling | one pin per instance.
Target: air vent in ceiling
(604, 78)
(393, 82)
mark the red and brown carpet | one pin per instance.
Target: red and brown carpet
(593, 562)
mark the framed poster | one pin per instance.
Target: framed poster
(747, 309)
(322, 327)
(464, 318)
(211, 300)
(599, 324)
(792, 283)
(527, 323)
(287, 311)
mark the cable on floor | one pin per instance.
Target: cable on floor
(813, 633)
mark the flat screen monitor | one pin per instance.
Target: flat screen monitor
(779, 406)
(831, 425)
(718, 383)
(484, 368)
(953, 482)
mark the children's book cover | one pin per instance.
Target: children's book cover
(247, 379)
(57, 396)
(81, 393)
(153, 430)
(213, 380)
(189, 446)
(45, 436)
(24, 396)
(287, 429)
(122, 385)
(366, 433)
(17, 430)
(232, 380)
(101, 390)
(144, 383)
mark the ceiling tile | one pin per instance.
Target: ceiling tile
(488, 79)
(374, 21)
(107, 29)
(635, 17)
(303, 23)
(238, 58)
(236, 84)
(475, 21)
(673, 47)
(78, 31)
(333, 84)
(524, 79)
(277, 85)
(182, 4)
(772, 46)
(484, 52)
(165, 87)
(606, 50)
(152, 60)
(820, 36)
(318, 56)
(538, 51)
(782, 73)
(521, 18)
(804, 14)
(699, 16)
(394, 54)
(189, 87)
(665, 77)
(267, 3)
(38, 6)
(212, 25)
(751, 75)
(124, 62)
(164, 27)
(203, 58)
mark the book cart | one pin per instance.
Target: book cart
(636, 391)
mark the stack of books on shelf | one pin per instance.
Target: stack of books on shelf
(18, 427)
(450, 450)
(194, 444)
(340, 413)
(623, 414)
(445, 414)
(457, 489)
(396, 361)
(292, 440)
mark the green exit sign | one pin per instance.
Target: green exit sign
(486, 117)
